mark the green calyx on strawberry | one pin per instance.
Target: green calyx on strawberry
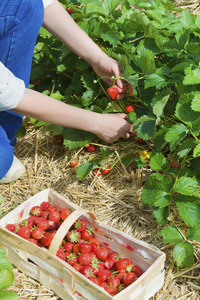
(73, 236)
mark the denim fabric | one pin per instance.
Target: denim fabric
(20, 22)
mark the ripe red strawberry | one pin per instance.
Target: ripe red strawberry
(94, 240)
(33, 241)
(104, 274)
(45, 214)
(77, 267)
(87, 271)
(76, 248)
(137, 271)
(10, 227)
(65, 213)
(109, 263)
(105, 171)
(114, 256)
(112, 91)
(61, 254)
(37, 233)
(68, 246)
(112, 290)
(91, 148)
(73, 163)
(36, 211)
(102, 253)
(43, 223)
(185, 232)
(113, 281)
(52, 208)
(94, 279)
(86, 234)
(70, 10)
(129, 108)
(80, 225)
(97, 266)
(175, 165)
(129, 278)
(45, 205)
(46, 239)
(74, 236)
(71, 259)
(24, 232)
(95, 247)
(121, 275)
(122, 264)
(97, 171)
(52, 225)
(54, 216)
(85, 247)
(85, 259)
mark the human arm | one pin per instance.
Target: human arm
(108, 127)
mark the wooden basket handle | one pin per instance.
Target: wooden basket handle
(64, 228)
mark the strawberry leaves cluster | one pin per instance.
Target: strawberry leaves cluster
(79, 248)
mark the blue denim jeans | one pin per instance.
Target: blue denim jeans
(20, 22)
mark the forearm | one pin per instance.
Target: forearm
(42, 107)
(61, 25)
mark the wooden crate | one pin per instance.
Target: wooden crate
(56, 275)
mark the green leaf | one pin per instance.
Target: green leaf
(160, 141)
(155, 80)
(6, 278)
(161, 214)
(57, 95)
(192, 77)
(185, 113)
(157, 161)
(196, 152)
(186, 147)
(4, 262)
(146, 130)
(171, 235)
(145, 60)
(157, 190)
(184, 254)
(196, 102)
(110, 5)
(75, 138)
(175, 134)
(8, 295)
(193, 233)
(83, 170)
(186, 186)
(188, 210)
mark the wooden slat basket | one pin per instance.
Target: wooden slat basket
(57, 275)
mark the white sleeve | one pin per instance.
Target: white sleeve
(47, 3)
(11, 89)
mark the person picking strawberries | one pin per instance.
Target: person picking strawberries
(19, 27)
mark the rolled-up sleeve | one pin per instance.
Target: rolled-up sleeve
(11, 89)
(47, 3)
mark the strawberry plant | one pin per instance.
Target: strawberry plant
(160, 57)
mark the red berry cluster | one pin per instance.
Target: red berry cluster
(79, 247)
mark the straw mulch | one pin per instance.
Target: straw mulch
(114, 198)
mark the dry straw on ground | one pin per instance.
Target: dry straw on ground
(115, 199)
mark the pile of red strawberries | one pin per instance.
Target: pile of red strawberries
(79, 248)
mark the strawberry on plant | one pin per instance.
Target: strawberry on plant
(36, 211)
(73, 163)
(70, 10)
(175, 165)
(112, 92)
(185, 232)
(74, 236)
(91, 148)
(105, 171)
(97, 171)
(129, 108)
(86, 234)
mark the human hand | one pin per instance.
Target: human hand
(108, 68)
(111, 127)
